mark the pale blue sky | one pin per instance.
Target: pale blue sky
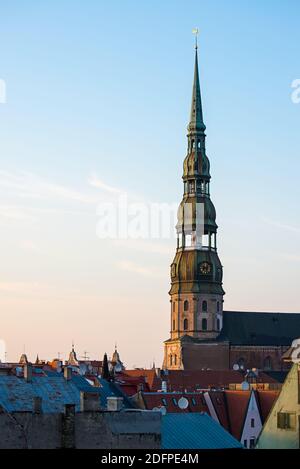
(104, 88)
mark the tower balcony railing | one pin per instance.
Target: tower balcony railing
(198, 248)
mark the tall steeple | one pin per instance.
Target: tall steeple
(196, 123)
(196, 272)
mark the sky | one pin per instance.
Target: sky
(97, 99)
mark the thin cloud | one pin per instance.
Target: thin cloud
(94, 181)
(129, 266)
(283, 226)
(28, 185)
(146, 246)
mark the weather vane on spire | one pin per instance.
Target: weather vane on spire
(195, 31)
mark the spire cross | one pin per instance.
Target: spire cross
(195, 31)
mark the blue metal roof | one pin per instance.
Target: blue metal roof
(108, 389)
(195, 431)
(16, 394)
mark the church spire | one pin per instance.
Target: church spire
(196, 123)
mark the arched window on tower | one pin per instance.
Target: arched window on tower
(173, 306)
(175, 359)
(186, 305)
(218, 324)
(204, 305)
(185, 324)
(174, 325)
(218, 307)
(171, 360)
(268, 363)
(204, 324)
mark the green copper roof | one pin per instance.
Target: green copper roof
(196, 117)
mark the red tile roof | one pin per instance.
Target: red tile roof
(150, 376)
(181, 380)
(196, 401)
(265, 400)
(237, 405)
(220, 407)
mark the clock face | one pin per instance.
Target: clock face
(205, 268)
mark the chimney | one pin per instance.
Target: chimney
(37, 404)
(114, 404)
(68, 427)
(28, 372)
(68, 373)
(164, 386)
(89, 401)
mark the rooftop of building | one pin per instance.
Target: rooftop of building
(195, 431)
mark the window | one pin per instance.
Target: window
(218, 324)
(252, 423)
(173, 306)
(252, 443)
(171, 360)
(188, 240)
(192, 186)
(245, 443)
(180, 240)
(218, 307)
(174, 401)
(286, 420)
(204, 324)
(175, 359)
(164, 402)
(186, 305)
(193, 401)
(185, 325)
(268, 363)
(174, 325)
(205, 240)
(204, 306)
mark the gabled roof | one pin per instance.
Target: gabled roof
(237, 405)
(195, 431)
(247, 328)
(151, 377)
(219, 402)
(265, 401)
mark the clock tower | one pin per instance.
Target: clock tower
(196, 294)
